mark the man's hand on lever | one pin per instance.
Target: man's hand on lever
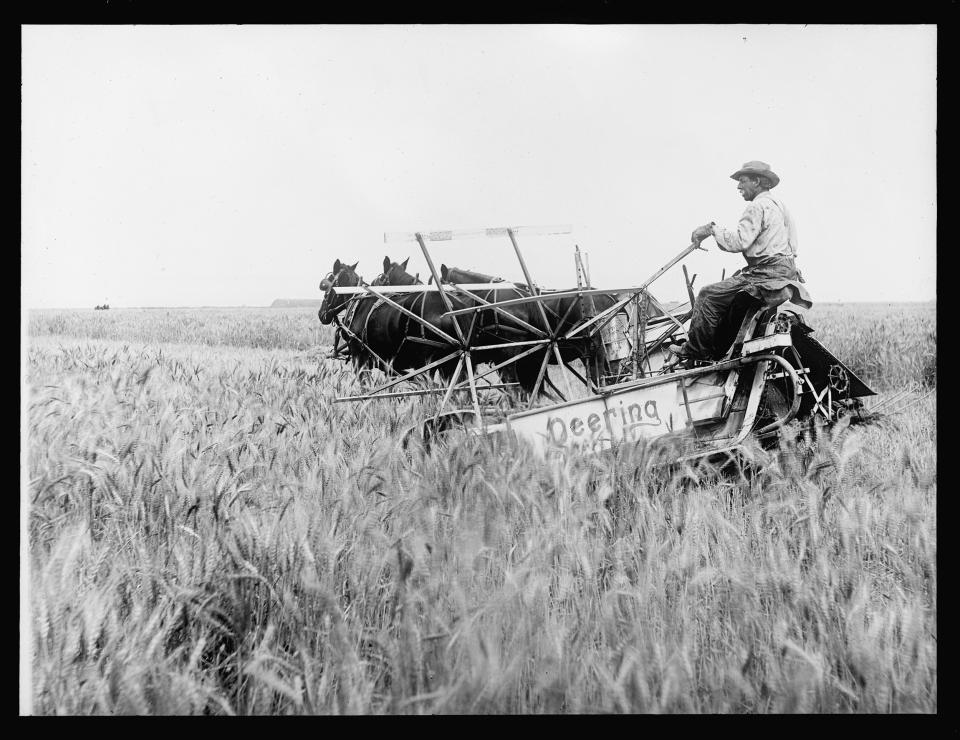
(700, 233)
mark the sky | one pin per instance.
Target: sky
(231, 165)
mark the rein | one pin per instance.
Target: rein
(342, 332)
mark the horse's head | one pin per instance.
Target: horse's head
(342, 276)
(456, 275)
(396, 274)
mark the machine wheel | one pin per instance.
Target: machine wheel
(774, 404)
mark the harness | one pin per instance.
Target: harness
(349, 338)
(349, 334)
(343, 333)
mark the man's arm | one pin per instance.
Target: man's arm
(745, 234)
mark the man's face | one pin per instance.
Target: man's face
(748, 186)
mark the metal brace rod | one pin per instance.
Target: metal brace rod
(689, 282)
(639, 350)
(415, 373)
(711, 397)
(419, 319)
(436, 279)
(692, 248)
(387, 366)
(496, 307)
(588, 383)
(691, 373)
(536, 387)
(606, 313)
(503, 345)
(509, 361)
(686, 406)
(526, 274)
(817, 397)
(470, 331)
(557, 294)
(777, 376)
(573, 304)
(427, 391)
(446, 396)
(562, 365)
(428, 342)
(655, 345)
(420, 288)
(666, 313)
(619, 304)
(473, 384)
(613, 310)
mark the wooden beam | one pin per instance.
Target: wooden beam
(450, 235)
(447, 287)
(558, 294)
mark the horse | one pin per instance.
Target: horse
(424, 344)
(562, 314)
(376, 333)
(396, 274)
(345, 276)
(485, 327)
(491, 323)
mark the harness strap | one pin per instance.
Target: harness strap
(423, 310)
(348, 309)
(337, 335)
(366, 322)
(363, 344)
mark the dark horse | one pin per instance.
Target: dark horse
(559, 316)
(395, 273)
(431, 307)
(376, 333)
(523, 322)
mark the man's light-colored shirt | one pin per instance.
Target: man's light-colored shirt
(765, 229)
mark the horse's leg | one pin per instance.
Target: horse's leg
(446, 371)
(527, 371)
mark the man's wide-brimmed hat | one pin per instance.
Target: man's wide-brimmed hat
(757, 168)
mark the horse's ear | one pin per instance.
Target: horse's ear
(430, 281)
(417, 277)
(404, 265)
(353, 267)
(336, 266)
(386, 265)
(444, 271)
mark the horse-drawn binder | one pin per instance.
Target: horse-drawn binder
(773, 373)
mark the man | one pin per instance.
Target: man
(767, 238)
